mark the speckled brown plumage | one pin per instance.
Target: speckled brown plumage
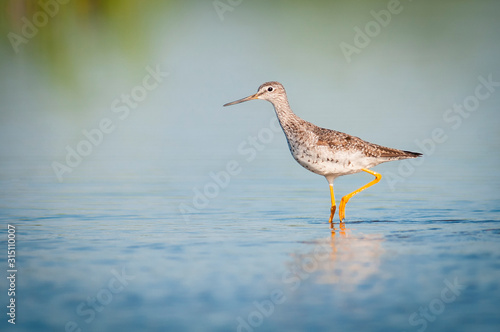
(337, 140)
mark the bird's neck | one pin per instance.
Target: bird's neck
(288, 120)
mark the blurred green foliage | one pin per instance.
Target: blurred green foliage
(55, 34)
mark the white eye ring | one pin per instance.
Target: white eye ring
(270, 89)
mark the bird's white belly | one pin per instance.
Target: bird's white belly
(325, 162)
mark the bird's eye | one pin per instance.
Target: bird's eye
(270, 89)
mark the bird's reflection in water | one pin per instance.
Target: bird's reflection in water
(343, 258)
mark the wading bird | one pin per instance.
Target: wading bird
(324, 151)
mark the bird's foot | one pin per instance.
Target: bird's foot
(342, 209)
(332, 214)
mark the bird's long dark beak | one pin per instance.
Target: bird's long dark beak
(243, 99)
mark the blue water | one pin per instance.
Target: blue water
(259, 257)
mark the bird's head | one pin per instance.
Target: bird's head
(270, 91)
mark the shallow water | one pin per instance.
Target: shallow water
(259, 257)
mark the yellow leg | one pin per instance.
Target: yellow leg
(346, 198)
(333, 208)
